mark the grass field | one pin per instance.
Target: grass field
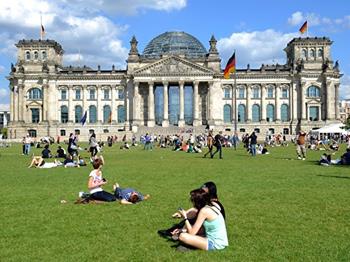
(277, 208)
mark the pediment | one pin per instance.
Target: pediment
(173, 66)
(34, 103)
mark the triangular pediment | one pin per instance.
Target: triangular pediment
(34, 103)
(173, 66)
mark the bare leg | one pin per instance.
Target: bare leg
(195, 241)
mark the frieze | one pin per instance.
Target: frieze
(171, 66)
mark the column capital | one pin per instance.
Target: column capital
(150, 83)
(165, 83)
(196, 82)
(182, 83)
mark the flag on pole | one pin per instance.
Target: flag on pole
(42, 29)
(303, 28)
(83, 119)
(230, 66)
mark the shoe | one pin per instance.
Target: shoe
(164, 233)
(182, 248)
(304, 158)
(299, 157)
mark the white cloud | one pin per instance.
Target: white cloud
(313, 19)
(2, 68)
(255, 48)
(4, 107)
(344, 91)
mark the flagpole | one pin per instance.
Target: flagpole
(235, 93)
(307, 29)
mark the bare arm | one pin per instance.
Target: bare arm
(125, 202)
(193, 230)
(92, 184)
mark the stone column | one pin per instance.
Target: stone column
(113, 109)
(12, 111)
(248, 104)
(330, 100)
(84, 96)
(46, 102)
(126, 105)
(150, 120)
(20, 102)
(294, 102)
(99, 104)
(165, 122)
(278, 103)
(263, 103)
(70, 104)
(302, 100)
(234, 106)
(136, 105)
(196, 121)
(336, 107)
(16, 102)
(181, 122)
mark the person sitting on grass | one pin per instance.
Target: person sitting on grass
(325, 160)
(96, 181)
(128, 196)
(210, 217)
(46, 153)
(69, 162)
(61, 153)
(210, 188)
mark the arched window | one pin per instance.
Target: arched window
(107, 117)
(43, 55)
(256, 92)
(106, 94)
(92, 114)
(284, 113)
(255, 113)
(313, 91)
(27, 55)
(320, 53)
(241, 113)
(284, 92)
(121, 114)
(312, 53)
(304, 53)
(64, 114)
(36, 55)
(78, 114)
(92, 94)
(121, 94)
(34, 93)
(270, 113)
(227, 113)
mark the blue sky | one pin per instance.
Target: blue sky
(101, 30)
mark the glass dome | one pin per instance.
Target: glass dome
(178, 43)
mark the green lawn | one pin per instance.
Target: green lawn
(277, 208)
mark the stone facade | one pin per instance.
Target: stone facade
(178, 87)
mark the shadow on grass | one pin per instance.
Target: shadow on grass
(344, 177)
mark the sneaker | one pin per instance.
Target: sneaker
(183, 248)
(304, 158)
(299, 157)
(81, 194)
(164, 233)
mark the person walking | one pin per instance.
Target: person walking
(27, 144)
(209, 144)
(218, 144)
(253, 141)
(301, 149)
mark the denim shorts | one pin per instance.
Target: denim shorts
(210, 245)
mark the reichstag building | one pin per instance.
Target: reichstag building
(175, 84)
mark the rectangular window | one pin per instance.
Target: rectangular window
(35, 115)
(241, 93)
(270, 93)
(92, 94)
(106, 94)
(227, 93)
(63, 132)
(257, 130)
(284, 93)
(285, 131)
(77, 132)
(256, 93)
(313, 113)
(78, 94)
(121, 94)
(63, 94)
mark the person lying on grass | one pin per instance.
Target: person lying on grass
(128, 196)
(210, 188)
(210, 217)
(39, 162)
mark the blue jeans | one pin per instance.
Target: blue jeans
(218, 149)
(103, 196)
(253, 149)
(26, 149)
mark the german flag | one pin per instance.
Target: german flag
(303, 28)
(230, 66)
